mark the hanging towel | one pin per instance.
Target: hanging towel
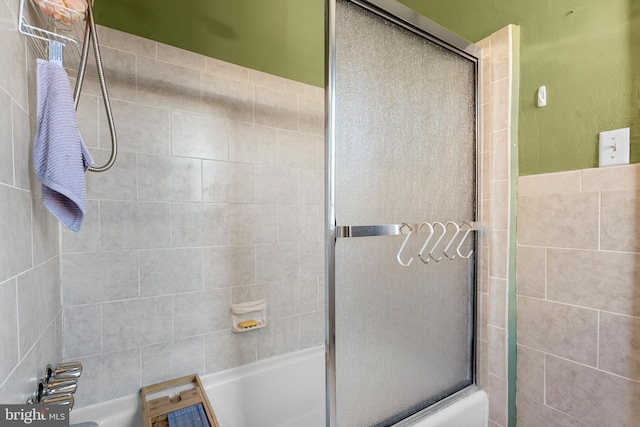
(191, 416)
(60, 157)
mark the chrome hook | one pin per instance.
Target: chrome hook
(457, 228)
(404, 243)
(444, 232)
(431, 233)
(464, 237)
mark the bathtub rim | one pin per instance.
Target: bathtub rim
(440, 405)
(131, 404)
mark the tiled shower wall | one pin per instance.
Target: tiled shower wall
(30, 315)
(497, 81)
(578, 299)
(216, 198)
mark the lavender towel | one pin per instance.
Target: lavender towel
(60, 157)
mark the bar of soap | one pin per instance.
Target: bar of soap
(247, 324)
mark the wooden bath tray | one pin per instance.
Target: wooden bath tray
(187, 391)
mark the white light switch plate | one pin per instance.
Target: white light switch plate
(614, 147)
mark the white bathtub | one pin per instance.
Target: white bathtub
(284, 391)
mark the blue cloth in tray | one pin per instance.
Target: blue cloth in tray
(191, 416)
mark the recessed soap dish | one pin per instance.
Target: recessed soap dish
(247, 316)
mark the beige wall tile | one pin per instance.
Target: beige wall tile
(166, 178)
(224, 182)
(497, 400)
(271, 81)
(134, 225)
(277, 262)
(620, 345)
(483, 269)
(567, 220)
(281, 336)
(483, 310)
(199, 224)
(590, 395)
(530, 373)
(500, 54)
(276, 185)
(227, 69)
(482, 364)
(226, 266)
(23, 137)
(550, 183)
(497, 340)
(225, 349)
(6, 139)
(497, 303)
(82, 331)
(500, 158)
(255, 144)
(252, 224)
(311, 115)
(297, 150)
(535, 414)
(500, 198)
(114, 276)
(560, 329)
(162, 362)
(486, 80)
(153, 317)
(117, 372)
(199, 136)
(611, 178)
(126, 42)
(122, 181)
(153, 137)
(170, 271)
(181, 57)
(486, 176)
(531, 271)
(619, 225)
(498, 259)
(600, 280)
(88, 119)
(165, 85)
(227, 98)
(16, 252)
(311, 187)
(119, 73)
(500, 104)
(485, 45)
(276, 108)
(12, 69)
(198, 313)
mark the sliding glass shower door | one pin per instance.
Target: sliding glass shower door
(401, 175)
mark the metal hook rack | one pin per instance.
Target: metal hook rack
(54, 33)
(458, 233)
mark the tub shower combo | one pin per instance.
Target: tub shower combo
(401, 252)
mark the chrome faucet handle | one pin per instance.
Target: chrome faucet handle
(64, 370)
(59, 399)
(57, 386)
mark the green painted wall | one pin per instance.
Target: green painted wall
(582, 50)
(281, 37)
(586, 52)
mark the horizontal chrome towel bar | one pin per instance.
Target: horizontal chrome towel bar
(349, 231)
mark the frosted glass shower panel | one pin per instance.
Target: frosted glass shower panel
(405, 152)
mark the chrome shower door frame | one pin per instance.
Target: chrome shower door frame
(410, 20)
